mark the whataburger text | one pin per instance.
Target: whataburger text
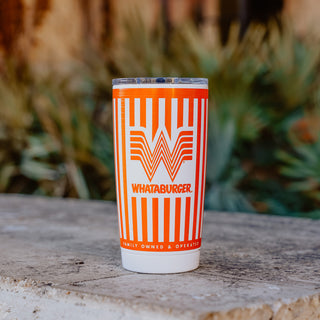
(161, 188)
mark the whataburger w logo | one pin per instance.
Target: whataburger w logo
(151, 159)
(161, 131)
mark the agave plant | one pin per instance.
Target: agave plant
(235, 111)
(293, 64)
(66, 145)
(15, 123)
(301, 163)
(224, 171)
(303, 168)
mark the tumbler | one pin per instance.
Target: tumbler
(160, 147)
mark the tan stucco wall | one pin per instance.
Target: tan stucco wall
(305, 16)
(64, 30)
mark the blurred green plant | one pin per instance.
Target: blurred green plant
(301, 160)
(15, 123)
(51, 143)
(259, 87)
(235, 113)
(264, 119)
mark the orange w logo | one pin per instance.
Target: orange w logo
(140, 150)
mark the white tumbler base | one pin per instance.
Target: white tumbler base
(160, 262)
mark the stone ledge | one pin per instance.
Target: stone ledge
(61, 259)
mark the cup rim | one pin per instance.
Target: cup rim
(158, 80)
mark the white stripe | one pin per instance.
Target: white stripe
(161, 219)
(205, 167)
(139, 219)
(149, 118)
(172, 219)
(194, 157)
(137, 112)
(116, 163)
(162, 110)
(201, 167)
(130, 218)
(149, 219)
(185, 112)
(182, 218)
(120, 167)
(127, 141)
(174, 120)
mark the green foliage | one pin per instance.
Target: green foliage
(264, 119)
(15, 123)
(51, 143)
(301, 162)
(261, 87)
(293, 66)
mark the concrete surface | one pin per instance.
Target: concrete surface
(60, 259)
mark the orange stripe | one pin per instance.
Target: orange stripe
(168, 117)
(116, 146)
(180, 113)
(131, 112)
(124, 165)
(177, 220)
(166, 219)
(155, 219)
(167, 93)
(187, 221)
(196, 196)
(134, 219)
(166, 246)
(203, 166)
(143, 112)
(155, 116)
(144, 219)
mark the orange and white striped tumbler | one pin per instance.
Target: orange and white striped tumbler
(160, 146)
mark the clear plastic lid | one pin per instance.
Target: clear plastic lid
(159, 80)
